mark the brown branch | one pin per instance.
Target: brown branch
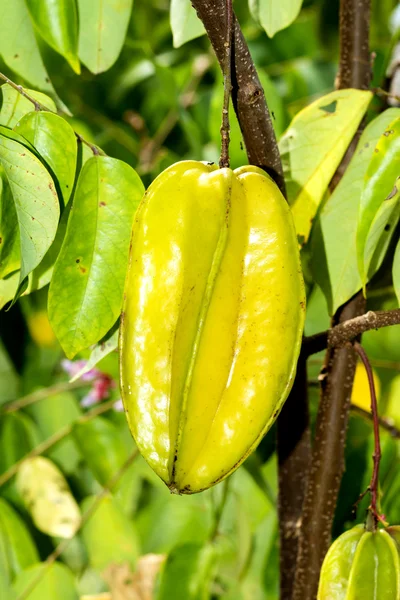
(327, 463)
(247, 93)
(227, 71)
(338, 336)
(384, 423)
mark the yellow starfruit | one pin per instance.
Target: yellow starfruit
(212, 320)
(362, 565)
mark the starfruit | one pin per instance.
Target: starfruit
(362, 565)
(212, 320)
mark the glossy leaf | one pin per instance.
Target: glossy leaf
(185, 23)
(380, 194)
(18, 45)
(47, 497)
(312, 148)
(54, 581)
(334, 260)
(102, 30)
(57, 23)
(14, 106)
(101, 446)
(36, 201)
(9, 232)
(55, 141)
(396, 271)
(52, 414)
(17, 549)
(275, 15)
(109, 535)
(187, 573)
(87, 285)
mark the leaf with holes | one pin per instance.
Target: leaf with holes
(185, 23)
(86, 289)
(334, 259)
(380, 197)
(55, 141)
(14, 106)
(312, 148)
(102, 30)
(57, 23)
(275, 15)
(35, 199)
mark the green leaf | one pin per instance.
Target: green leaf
(334, 259)
(13, 106)
(102, 30)
(275, 15)
(8, 288)
(54, 581)
(380, 190)
(17, 549)
(18, 45)
(18, 436)
(185, 23)
(51, 415)
(396, 271)
(10, 257)
(101, 446)
(9, 382)
(313, 147)
(57, 23)
(36, 201)
(47, 497)
(109, 535)
(87, 285)
(187, 573)
(55, 141)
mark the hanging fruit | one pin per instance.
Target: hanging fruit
(212, 320)
(362, 565)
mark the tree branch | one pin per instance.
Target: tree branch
(385, 424)
(247, 93)
(338, 336)
(327, 462)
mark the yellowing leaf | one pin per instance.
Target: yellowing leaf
(47, 497)
(312, 148)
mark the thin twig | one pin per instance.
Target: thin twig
(42, 107)
(220, 510)
(55, 439)
(374, 484)
(338, 336)
(227, 73)
(85, 518)
(385, 424)
(53, 390)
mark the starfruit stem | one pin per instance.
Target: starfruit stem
(374, 516)
(227, 72)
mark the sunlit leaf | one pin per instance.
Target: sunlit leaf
(187, 573)
(47, 497)
(9, 232)
(57, 23)
(18, 45)
(275, 15)
(17, 549)
(51, 582)
(185, 23)
(87, 285)
(35, 198)
(312, 148)
(14, 106)
(396, 271)
(55, 141)
(380, 195)
(102, 30)
(109, 535)
(334, 258)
